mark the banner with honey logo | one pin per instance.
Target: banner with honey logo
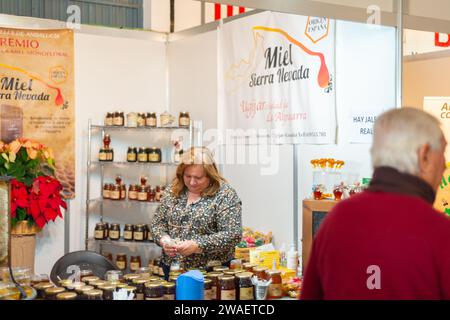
(277, 79)
(37, 97)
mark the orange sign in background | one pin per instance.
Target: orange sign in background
(37, 94)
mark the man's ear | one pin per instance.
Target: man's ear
(424, 154)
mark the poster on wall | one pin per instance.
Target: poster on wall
(37, 94)
(276, 79)
(440, 108)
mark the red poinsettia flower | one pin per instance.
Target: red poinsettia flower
(19, 196)
(45, 200)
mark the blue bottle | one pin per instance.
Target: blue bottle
(190, 286)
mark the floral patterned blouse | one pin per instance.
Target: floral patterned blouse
(214, 222)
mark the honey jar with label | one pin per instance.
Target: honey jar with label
(154, 155)
(208, 290)
(138, 234)
(215, 284)
(132, 154)
(140, 288)
(275, 288)
(109, 119)
(245, 290)
(135, 263)
(115, 193)
(121, 261)
(153, 291)
(106, 192)
(150, 120)
(133, 192)
(141, 119)
(114, 231)
(169, 291)
(142, 155)
(227, 289)
(128, 232)
(261, 273)
(108, 291)
(184, 120)
(99, 233)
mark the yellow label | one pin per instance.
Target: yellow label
(184, 122)
(128, 235)
(102, 156)
(154, 298)
(246, 294)
(131, 157)
(99, 234)
(265, 258)
(209, 294)
(153, 157)
(138, 236)
(108, 121)
(114, 234)
(169, 297)
(109, 156)
(151, 122)
(106, 194)
(133, 195)
(275, 290)
(214, 293)
(134, 266)
(142, 196)
(228, 295)
(139, 296)
(120, 265)
(115, 195)
(142, 157)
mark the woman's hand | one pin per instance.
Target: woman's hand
(168, 246)
(187, 248)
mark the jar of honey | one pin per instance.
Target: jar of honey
(227, 289)
(261, 273)
(133, 192)
(153, 291)
(141, 119)
(115, 192)
(140, 288)
(138, 234)
(245, 290)
(121, 261)
(215, 284)
(169, 290)
(99, 233)
(135, 263)
(114, 231)
(208, 290)
(275, 289)
(50, 293)
(150, 120)
(142, 155)
(128, 232)
(131, 154)
(109, 119)
(184, 120)
(154, 155)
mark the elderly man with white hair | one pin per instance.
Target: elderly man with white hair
(388, 242)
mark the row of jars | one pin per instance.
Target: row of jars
(148, 119)
(106, 153)
(135, 192)
(139, 232)
(153, 154)
(93, 288)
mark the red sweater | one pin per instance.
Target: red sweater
(402, 235)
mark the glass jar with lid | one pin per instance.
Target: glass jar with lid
(141, 119)
(117, 120)
(114, 231)
(132, 154)
(128, 232)
(99, 233)
(109, 119)
(150, 119)
(153, 291)
(275, 288)
(74, 286)
(184, 120)
(133, 192)
(135, 263)
(245, 290)
(115, 192)
(81, 291)
(140, 288)
(169, 291)
(121, 261)
(106, 191)
(227, 289)
(108, 291)
(138, 234)
(94, 294)
(90, 279)
(129, 278)
(154, 155)
(142, 155)
(215, 285)
(41, 287)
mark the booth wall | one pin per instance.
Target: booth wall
(123, 70)
(428, 77)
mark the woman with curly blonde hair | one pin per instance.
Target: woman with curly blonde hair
(200, 216)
